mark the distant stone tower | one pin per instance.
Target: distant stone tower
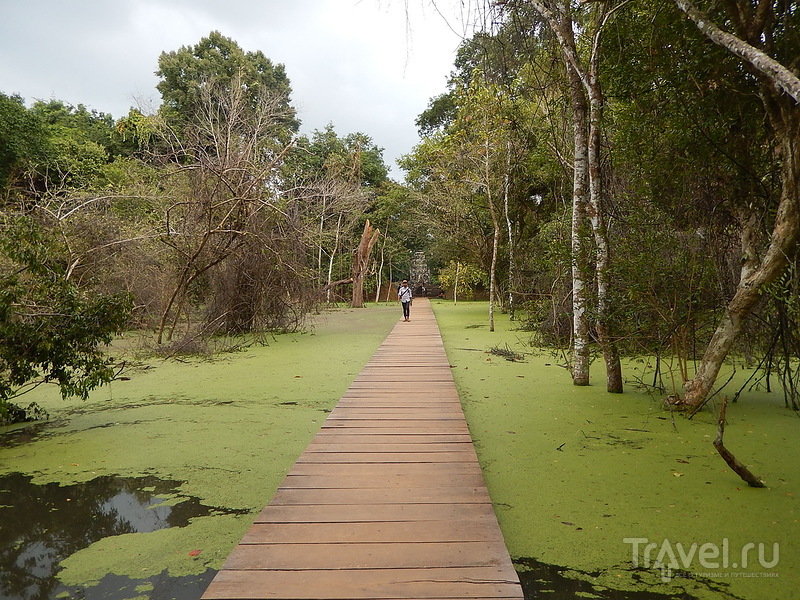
(419, 277)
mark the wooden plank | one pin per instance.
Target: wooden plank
(411, 424)
(401, 555)
(375, 447)
(429, 469)
(387, 501)
(360, 513)
(415, 495)
(372, 532)
(357, 428)
(385, 457)
(391, 414)
(406, 480)
(377, 584)
(346, 437)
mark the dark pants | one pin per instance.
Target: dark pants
(406, 312)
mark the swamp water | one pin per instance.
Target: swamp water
(579, 476)
(44, 524)
(572, 471)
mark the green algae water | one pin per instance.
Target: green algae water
(142, 491)
(610, 496)
(198, 447)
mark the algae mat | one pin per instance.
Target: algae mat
(225, 431)
(581, 478)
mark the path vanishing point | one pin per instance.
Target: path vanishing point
(388, 500)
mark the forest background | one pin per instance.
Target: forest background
(606, 172)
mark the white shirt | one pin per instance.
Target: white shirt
(404, 294)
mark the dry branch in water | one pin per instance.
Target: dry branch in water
(738, 468)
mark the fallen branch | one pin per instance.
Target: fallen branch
(738, 468)
(333, 284)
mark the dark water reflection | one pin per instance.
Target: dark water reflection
(160, 587)
(41, 525)
(543, 581)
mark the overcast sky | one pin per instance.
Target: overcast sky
(363, 65)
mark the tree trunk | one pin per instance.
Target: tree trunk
(581, 276)
(378, 281)
(738, 467)
(558, 17)
(391, 279)
(783, 245)
(330, 259)
(455, 287)
(605, 338)
(361, 263)
(320, 250)
(510, 230)
(495, 237)
(587, 189)
(784, 117)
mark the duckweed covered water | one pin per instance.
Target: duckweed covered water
(222, 433)
(574, 472)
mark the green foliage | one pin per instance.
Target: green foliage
(81, 123)
(462, 279)
(219, 59)
(137, 128)
(54, 147)
(23, 139)
(354, 157)
(74, 163)
(50, 331)
(440, 113)
(689, 128)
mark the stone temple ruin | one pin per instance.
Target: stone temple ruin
(419, 277)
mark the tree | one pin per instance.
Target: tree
(332, 181)
(361, 262)
(760, 32)
(228, 156)
(217, 58)
(587, 104)
(23, 140)
(50, 331)
(462, 279)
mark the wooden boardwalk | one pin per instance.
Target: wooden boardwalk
(388, 500)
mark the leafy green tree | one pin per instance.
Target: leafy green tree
(221, 60)
(23, 140)
(326, 154)
(50, 331)
(766, 44)
(462, 279)
(713, 140)
(334, 183)
(94, 126)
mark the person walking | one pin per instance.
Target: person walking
(404, 295)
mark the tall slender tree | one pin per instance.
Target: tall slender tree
(587, 105)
